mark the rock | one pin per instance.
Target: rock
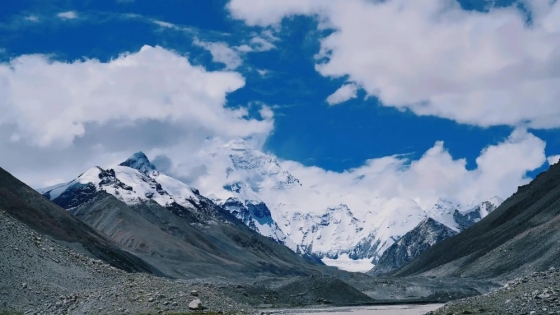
(195, 305)
(542, 296)
(194, 293)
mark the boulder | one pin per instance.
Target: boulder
(195, 305)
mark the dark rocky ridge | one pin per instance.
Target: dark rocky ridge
(45, 217)
(519, 237)
(412, 244)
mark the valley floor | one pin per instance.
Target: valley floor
(406, 309)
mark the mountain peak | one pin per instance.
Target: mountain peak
(139, 161)
(238, 144)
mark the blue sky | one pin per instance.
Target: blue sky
(284, 77)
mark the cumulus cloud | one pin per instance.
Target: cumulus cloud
(553, 159)
(61, 118)
(69, 15)
(222, 53)
(52, 102)
(435, 58)
(501, 168)
(343, 94)
(266, 113)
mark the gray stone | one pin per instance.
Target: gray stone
(195, 305)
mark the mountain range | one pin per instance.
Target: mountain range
(139, 220)
(170, 225)
(351, 232)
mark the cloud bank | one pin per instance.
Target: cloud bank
(60, 118)
(501, 168)
(51, 102)
(434, 58)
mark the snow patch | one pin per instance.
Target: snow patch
(344, 262)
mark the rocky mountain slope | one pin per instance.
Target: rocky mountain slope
(431, 231)
(536, 293)
(29, 207)
(51, 263)
(172, 226)
(42, 274)
(349, 231)
(519, 237)
(412, 244)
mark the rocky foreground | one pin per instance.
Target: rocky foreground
(39, 276)
(538, 293)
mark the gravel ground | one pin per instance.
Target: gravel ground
(39, 276)
(538, 293)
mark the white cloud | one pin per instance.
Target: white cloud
(69, 15)
(434, 58)
(266, 113)
(222, 53)
(51, 103)
(262, 72)
(553, 159)
(260, 44)
(164, 24)
(32, 18)
(500, 170)
(343, 94)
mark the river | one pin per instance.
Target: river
(407, 309)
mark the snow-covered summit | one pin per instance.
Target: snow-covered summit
(325, 224)
(140, 162)
(459, 217)
(265, 170)
(257, 189)
(132, 181)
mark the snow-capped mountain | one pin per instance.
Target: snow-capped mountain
(459, 217)
(256, 215)
(341, 229)
(137, 180)
(175, 229)
(132, 181)
(327, 225)
(412, 244)
(444, 221)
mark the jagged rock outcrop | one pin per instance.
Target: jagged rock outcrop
(412, 244)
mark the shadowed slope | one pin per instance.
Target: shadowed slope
(45, 217)
(199, 242)
(521, 236)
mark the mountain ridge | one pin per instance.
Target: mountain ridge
(171, 225)
(256, 189)
(517, 238)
